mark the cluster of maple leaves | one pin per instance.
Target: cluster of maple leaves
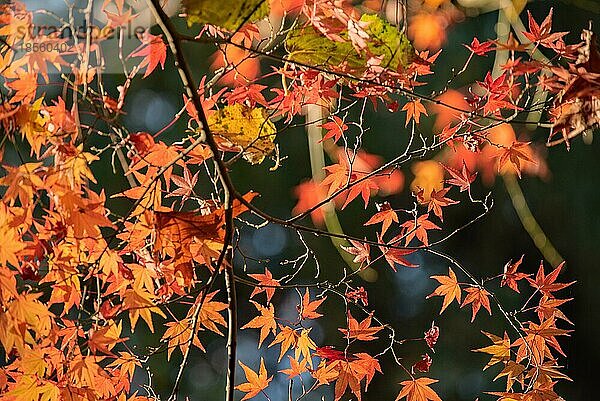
(76, 277)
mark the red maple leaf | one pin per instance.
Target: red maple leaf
(510, 275)
(396, 255)
(514, 154)
(335, 129)
(438, 200)
(547, 284)
(462, 178)
(480, 48)
(542, 33)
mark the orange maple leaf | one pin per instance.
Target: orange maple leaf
(140, 303)
(178, 335)
(303, 346)
(419, 229)
(385, 215)
(516, 153)
(448, 288)
(296, 368)
(414, 110)
(265, 322)
(266, 283)
(256, 382)
(335, 129)
(308, 309)
(287, 337)
(418, 390)
(361, 331)
(477, 296)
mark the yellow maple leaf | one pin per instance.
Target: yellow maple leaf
(303, 346)
(500, 350)
(240, 128)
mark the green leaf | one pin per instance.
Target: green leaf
(307, 46)
(227, 14)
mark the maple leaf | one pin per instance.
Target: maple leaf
(512, 371)
(265, 322)
(480, 48)
(303, 346)
(335, 129)
(325, 373)
(266, 283)
(542, 33)
(186, 184)
(419, 229)
(154, 51)
(500, 350)
(432, 335)
(256, 383)
(510, 275)
(385, 214)
(210, 313)
(362, 331)
(366, 365)
(178, 335)
(340, 177)
(448, 288)
(308, 309)
(514, 154)
(105, 338)
(396, 255)
(296, 368)
(250, 94)
(418, 390)
(360, 250)
(348, 377)
(438, 200)
(414, 110)
(538, 339)
(287, 337)
(548, 307)
(363, 188)
(24, 86)
(477, 296)
(140, 303)
(547, 284)
(330, 354)
(422, 365)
